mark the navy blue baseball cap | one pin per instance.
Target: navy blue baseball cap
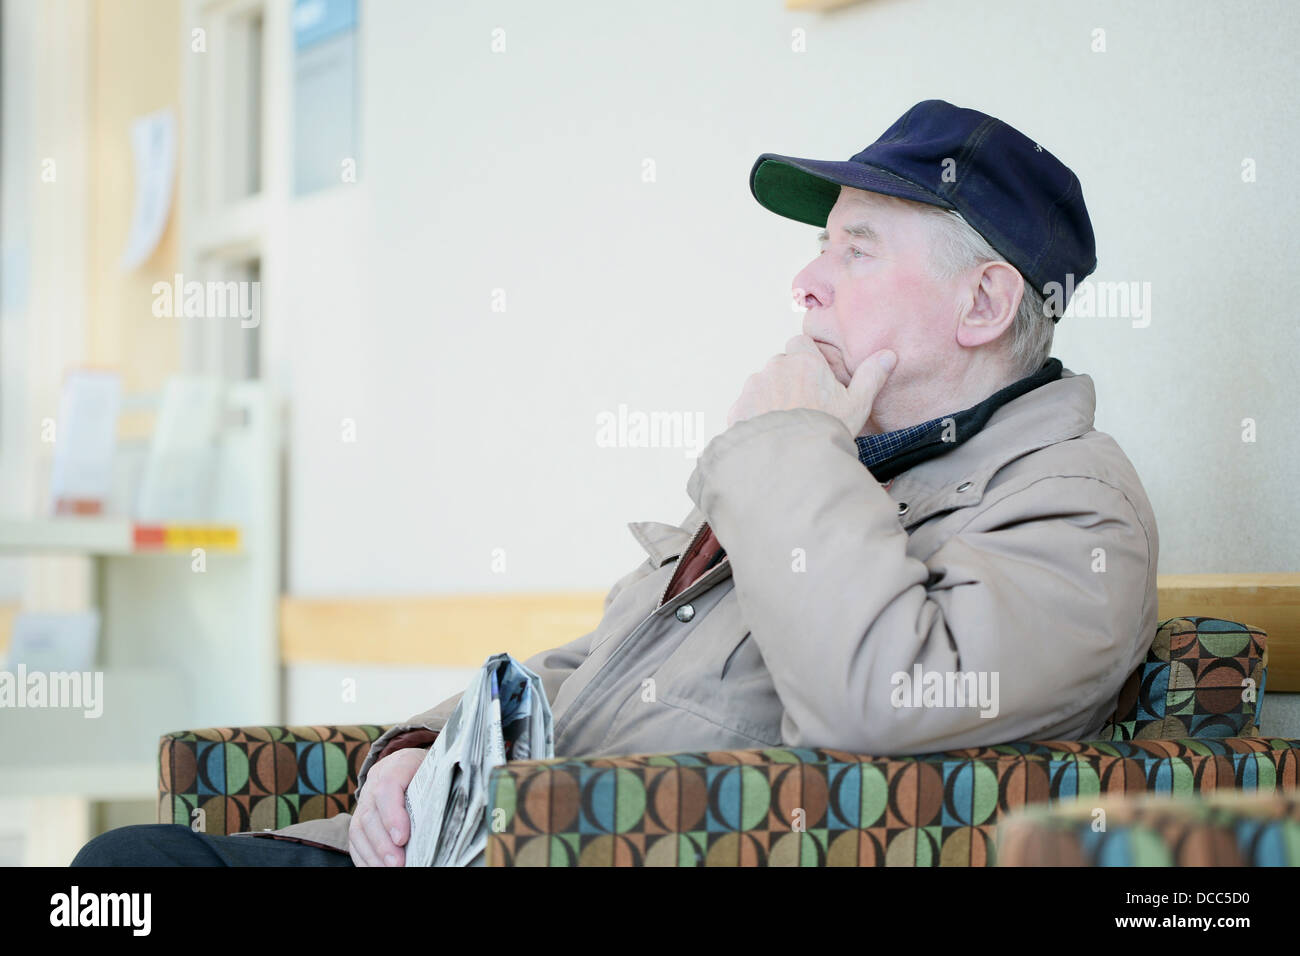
(1024, 201)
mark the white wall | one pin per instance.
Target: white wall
(353, 693)
(522, 171)
(44, 197)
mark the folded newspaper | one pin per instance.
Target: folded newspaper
(503, 715)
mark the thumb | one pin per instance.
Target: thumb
(869, 378)
(392, 811)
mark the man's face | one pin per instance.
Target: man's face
(871, 288)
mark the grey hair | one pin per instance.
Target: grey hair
(959, 247)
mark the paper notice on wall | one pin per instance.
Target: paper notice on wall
(54, 642)
(84, 436)
(177, 483)
(153, 143)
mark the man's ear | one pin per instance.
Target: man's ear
(996, 291)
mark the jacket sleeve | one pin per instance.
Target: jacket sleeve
(552, 666)
(851, 627)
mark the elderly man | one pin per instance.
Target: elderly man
(909, 538)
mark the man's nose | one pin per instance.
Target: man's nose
(806, 292)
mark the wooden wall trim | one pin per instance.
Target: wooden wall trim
(819, 5)
(462, 630)
(7, 612)
(453, 631)
(1269, 601)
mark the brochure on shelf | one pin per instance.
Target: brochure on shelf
(84, 437)
(54, 642)
(177, 481)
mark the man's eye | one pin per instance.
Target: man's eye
(857, 250)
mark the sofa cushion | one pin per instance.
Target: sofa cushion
(1217, 828)
(811, 807)
(1203, 677)
(261, 777)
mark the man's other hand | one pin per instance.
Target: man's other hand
(380, 826)
(801, 378)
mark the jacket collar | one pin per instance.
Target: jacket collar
(1046, 414)
(663, 542)
(1051, 413)
(936, 438)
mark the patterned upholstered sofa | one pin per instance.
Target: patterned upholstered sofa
(1220, 828)
(1185, 722)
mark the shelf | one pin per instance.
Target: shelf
(110, 781)
(61, 750)
(113, 536)
(178, 649)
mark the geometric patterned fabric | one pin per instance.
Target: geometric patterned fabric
(256, 778)
(812, 807)
(1203, 677)
(1182, 725)
(1220, 829)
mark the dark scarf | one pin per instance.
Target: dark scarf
(965, 424)
(929, 444)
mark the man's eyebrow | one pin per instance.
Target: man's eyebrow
(861, 230)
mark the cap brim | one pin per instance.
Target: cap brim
(805, 190)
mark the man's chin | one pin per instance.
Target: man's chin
(836, 363)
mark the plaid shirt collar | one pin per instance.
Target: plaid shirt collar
(873, 449)
(892, 453)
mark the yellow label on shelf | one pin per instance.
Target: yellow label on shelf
(186, 537)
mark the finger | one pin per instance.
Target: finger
(380, 840)
(359, 846)
(360, 840)
(392, 813)
(803, 343)
(806, 345)
(869, 377)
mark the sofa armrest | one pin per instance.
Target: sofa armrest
(238, 779)
(815, 807)
(1224, 828)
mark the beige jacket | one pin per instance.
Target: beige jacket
(1002, 591)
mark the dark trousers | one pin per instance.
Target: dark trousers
(173, 844)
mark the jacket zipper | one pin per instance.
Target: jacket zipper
(619, 651)
(571, 712)
(699, 533)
